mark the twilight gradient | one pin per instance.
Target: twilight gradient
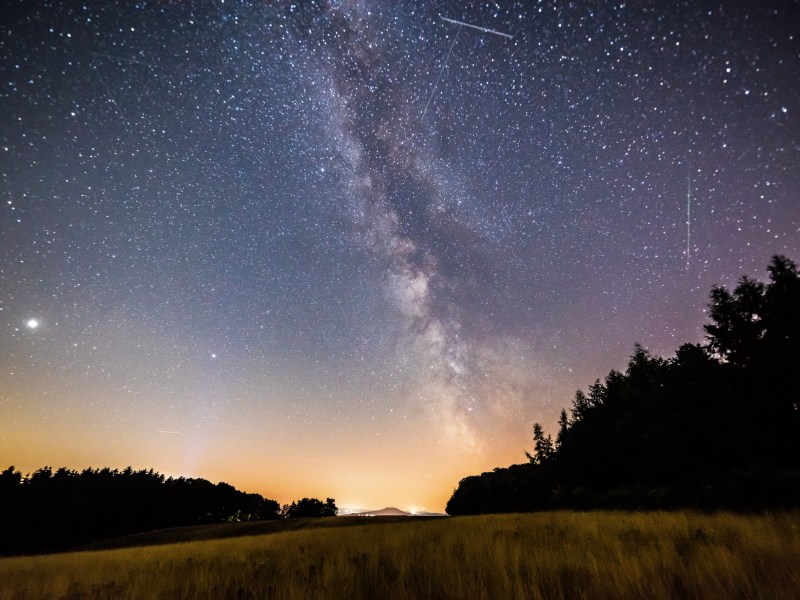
(234, 244)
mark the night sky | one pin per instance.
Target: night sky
(352, 249)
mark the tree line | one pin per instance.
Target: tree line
(310, 508)
(55, 510)
(716, 426)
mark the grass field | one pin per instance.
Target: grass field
(546, 555)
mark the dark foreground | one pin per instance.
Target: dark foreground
(551, 555)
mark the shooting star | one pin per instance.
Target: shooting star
(169, 432)
(505, 220)
(688, 216)
(444, 64)
(484, 29)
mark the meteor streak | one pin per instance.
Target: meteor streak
(444, 64)
(688, 217)
(505, 35)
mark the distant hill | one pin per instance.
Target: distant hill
(390, 511)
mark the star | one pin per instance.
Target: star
(388, 222)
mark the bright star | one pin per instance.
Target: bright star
(32, 323)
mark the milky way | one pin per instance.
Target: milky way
(355, 249)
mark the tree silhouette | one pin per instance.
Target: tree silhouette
(738, 321)
(49, 510)
(717, 425)
(542, 446)
(311, 507)
(563, 427)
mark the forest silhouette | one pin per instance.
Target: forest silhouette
(56, 510)
(717, 426)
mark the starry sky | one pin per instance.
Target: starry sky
(352, 249)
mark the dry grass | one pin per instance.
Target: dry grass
(546, 555)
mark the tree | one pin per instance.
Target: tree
(563, 428)
(756, 330)
(10, 481)
(718, 425)
(781, 317)
(580, 405)
(542, 446)
(757, 321)
(738, 323)
(330, 509)
(311, 508)
(55, 510)
(270, 509)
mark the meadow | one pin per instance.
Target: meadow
(554, 555)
